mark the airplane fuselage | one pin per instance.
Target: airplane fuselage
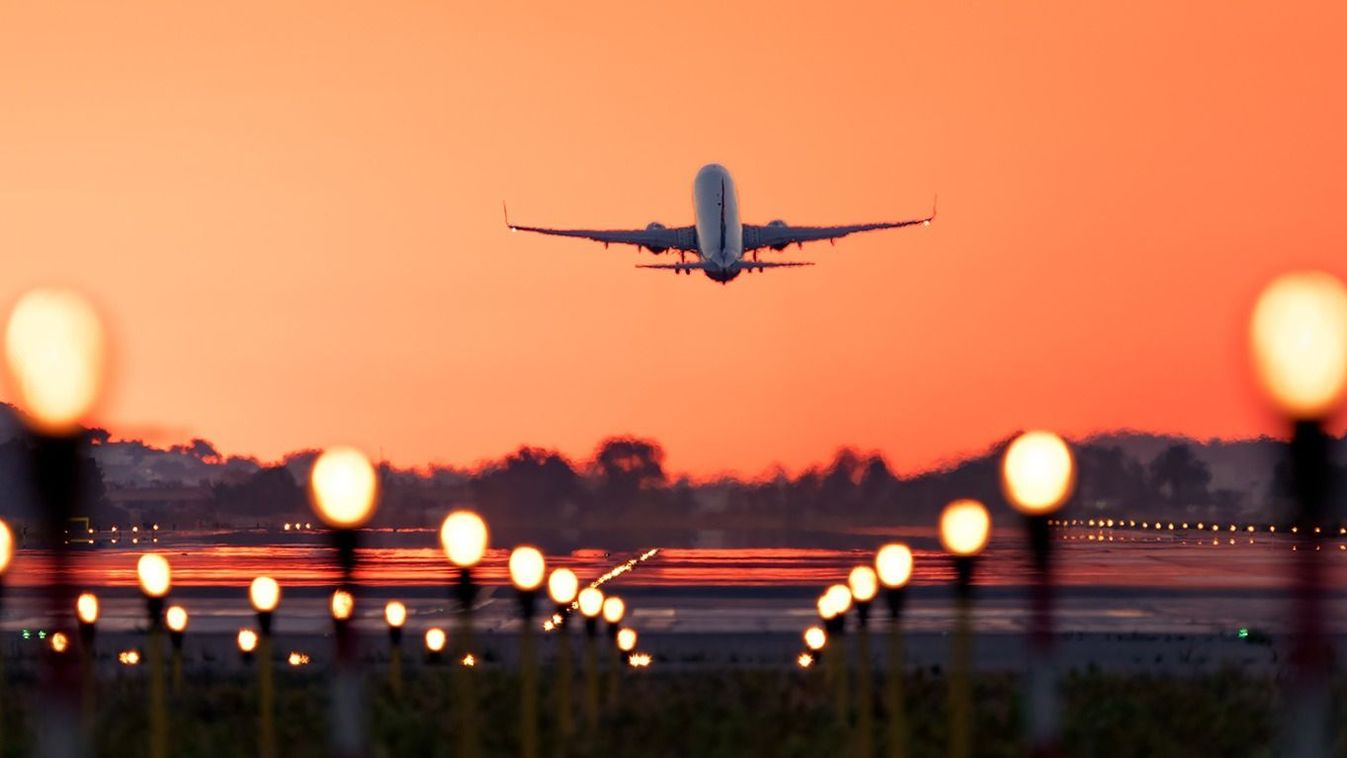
(720, 234)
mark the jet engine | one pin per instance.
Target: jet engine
(779, 224)
(655, 226)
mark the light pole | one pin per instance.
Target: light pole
(86, 611)
(155, 580)
(815, 638)
(395, 614)
(265, 594)
(864, 585)
(247, 642)
(562, 587)
(591, 605)
(613, 611)
(6, 557)
(436, 639)
(1038, 475)
(55, 350)
(893, 566)
(344, 489)
(626, 641)
(826, 614)
(833, 607)
(463, 535)
(176, 619)
(964, 528)
(527, 569)
(342, 605)
(1298, 339)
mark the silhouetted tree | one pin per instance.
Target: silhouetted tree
(530, 482)
(1181, 476)
(1109, 479)
(272, 491)
(200, 449)
(626, 467)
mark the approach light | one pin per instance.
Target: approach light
(463, 536)
(613, 609)
(825, 607)
(247, 641)
(626, 639)
(893, 564)
(265, 594)
(1298, 335)
(343, 486)
(839, 598)
(154, 574)
(591, 601)
(395, 613)
(1038, 473)
(176, 618)
(86, 608)
(342, 605)
(6, 547)
(863, 583)
(964, 527)
(562, 585)
(54, 352)
(815, 638)
(527, 568)
(435, 639)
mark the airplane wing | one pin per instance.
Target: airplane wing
(656, 238)
(745, 265)
(778, 235)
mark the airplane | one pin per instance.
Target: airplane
(717, 238)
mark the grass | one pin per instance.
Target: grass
(740, 712)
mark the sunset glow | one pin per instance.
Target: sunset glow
(334, 267)
(905, 379)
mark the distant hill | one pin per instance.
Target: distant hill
(624, 486)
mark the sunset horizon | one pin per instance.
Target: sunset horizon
(280, 272)
(750, 379)
(765, 471)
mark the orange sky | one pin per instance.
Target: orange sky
(290, 214)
